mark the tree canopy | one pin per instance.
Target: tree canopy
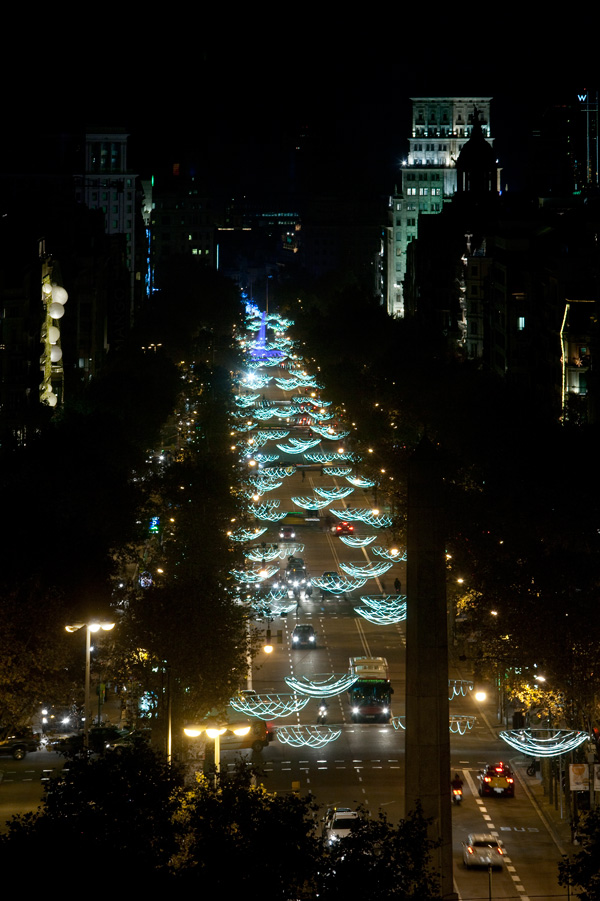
(222, 835)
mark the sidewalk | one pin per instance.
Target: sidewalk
(559, 829)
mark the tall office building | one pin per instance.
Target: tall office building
(440, 128)
(108, 185)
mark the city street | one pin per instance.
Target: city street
(365, 765)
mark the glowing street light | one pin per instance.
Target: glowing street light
(214, 731)
(94, 626)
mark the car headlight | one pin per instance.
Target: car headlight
(311, 638)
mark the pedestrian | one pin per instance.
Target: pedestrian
(303, 475)
(398, 586)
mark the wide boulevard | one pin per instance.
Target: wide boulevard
(365, 765)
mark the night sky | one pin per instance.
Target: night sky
(236, 98)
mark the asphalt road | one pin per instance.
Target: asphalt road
(365, 765)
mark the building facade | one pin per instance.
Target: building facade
(440, 128)
(107, 184)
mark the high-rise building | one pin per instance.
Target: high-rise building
(108, 185)
(440, 128)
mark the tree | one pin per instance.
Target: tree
(379, 861)
(236, 836)
(583, 869)
(116, 810)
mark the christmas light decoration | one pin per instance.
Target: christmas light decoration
(249, 576)
(253, 380)
(456, 724)
(246, 400)
(461, 724)
(393, 553)
(338, 585)
(247, 534)
(365, 571)
(339, 471)
(307, 736)
(298, 447)
(329, 433)
(334, 494)
(257, 555)
(270, 706)
(360, 482)
(309, 503)
(273, 434)
(356, 542)
(321, 686)
(379, 618)
(459, 687)
(537, 742)
(267, 515)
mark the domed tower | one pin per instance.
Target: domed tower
(477, 171)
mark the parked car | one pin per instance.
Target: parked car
(17, 743)
(483, 850)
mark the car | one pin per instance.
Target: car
(304, 636)
(482, 849)
(16, 743)
(333, 578)
(100, 739)
(344, 528)
(287, 533)
(339, 822)
(497, 779)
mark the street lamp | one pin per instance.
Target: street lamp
(215, 731)
(94, 626)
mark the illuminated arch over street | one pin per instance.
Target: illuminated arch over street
(269, 706)
(321, 686)
(537, 742)
(307, 736)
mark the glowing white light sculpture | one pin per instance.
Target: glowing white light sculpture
(333, 494)
(366, 570)
(252, 575)
(379, 618)
(246, 534)
(321, 686)
(307, 736)
(258, 554)
(269, 706)
(309, 503)
(338, 585)
(461, 724)
(298, 447)
(267, 515)
(537, 742)
(392, 553)
(356, 542)
(459, 687)
(360, 482)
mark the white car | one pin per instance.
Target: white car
(339, 822)
(483, 850)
